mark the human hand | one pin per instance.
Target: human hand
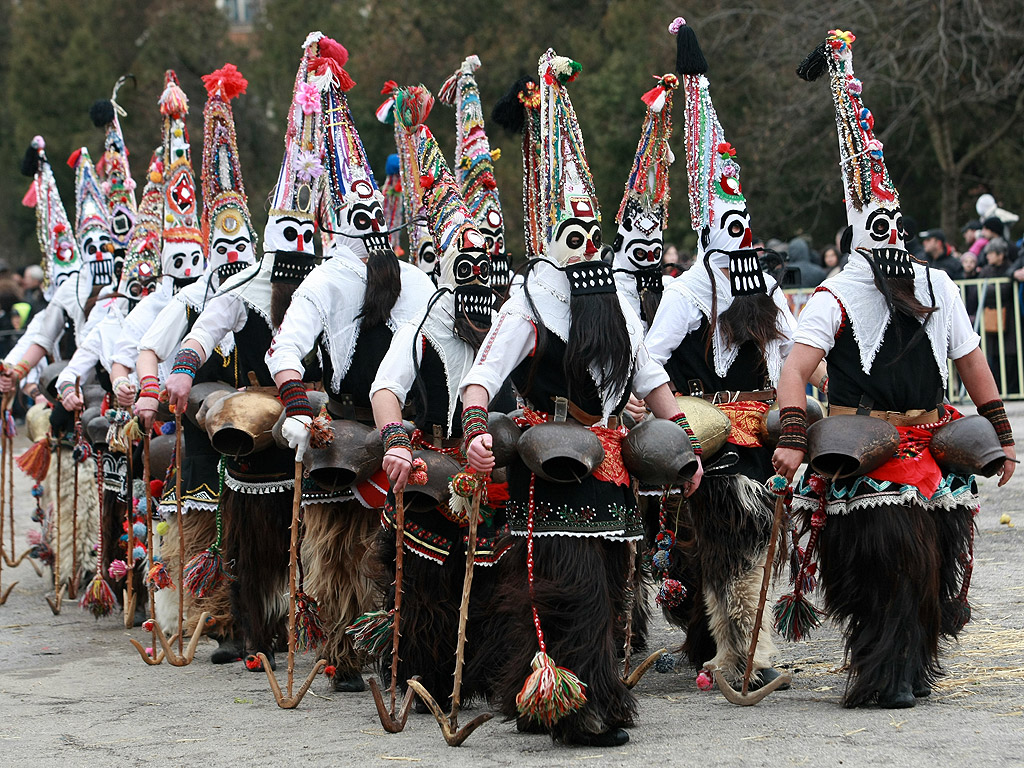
(295, 431)
(398, 467)
(479, 455)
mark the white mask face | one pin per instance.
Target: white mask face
(426, 256)
(98, 251)
(230, 244)
(182, 260)
(576, 240)
(470, 266)
(362, 225)
(639, 242)
(288, 233)
(731, 232)
(876, 227)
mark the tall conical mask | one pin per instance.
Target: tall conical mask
(718, 209)
(405, 108)
(116, 177)
(61, 258)
(182, 256)
(92, 224)
(643, 212)
(464, 257)
(568, 197)
(872, 200)
(142, 261)
(353, 194)
(474, 165)
(226, 225)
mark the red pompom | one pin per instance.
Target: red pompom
(228, 80)
(73, 159)
(332, 49)
(390, 86)
(329, 670)
(253, 663)
(156, 488)
(148, 625)
(427, 180)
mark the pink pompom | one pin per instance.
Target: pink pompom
(677, 23)
(118, 569)
(704, 680)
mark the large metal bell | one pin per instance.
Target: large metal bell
(201, 398)
(710, 426)
(850, 445)
(968, 446)
(561, 452)
(440, 469)
(659, 452)
(505, 435)
(814, 415)
(241, 423)
(354, 455)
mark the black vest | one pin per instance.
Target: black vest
(909, 382)
(692, 360)
(371, 346)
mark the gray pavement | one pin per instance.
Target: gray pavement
(74, 693)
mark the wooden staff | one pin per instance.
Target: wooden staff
(72, 582)
(57, 588)
(129, 585)
(291, 701)
(450, 724)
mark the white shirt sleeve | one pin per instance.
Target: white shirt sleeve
(649, 374)
(819, 322)
(164, 336)
(223, 314)
(83, 362)
(511, 340)
(962, 338)
(397, 371)
(787, 322)
(676, 317)
(45, 330)
(296, 337)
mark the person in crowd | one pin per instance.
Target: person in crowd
(969, 232)
(811, 274)
(32, 287)
(997, 309)
(832, 260)
(937, 253)
(670, 261)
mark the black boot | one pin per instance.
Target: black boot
(348, 681)
(228, 651)
(613, 737)
(766, 675)
(900, 696)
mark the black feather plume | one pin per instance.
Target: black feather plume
(689, 57)
(815, 63)
(509, 111)
(30, 163)
(102, 112)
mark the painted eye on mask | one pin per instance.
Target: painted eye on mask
(195, 259)
(736, 228)
(179, 262)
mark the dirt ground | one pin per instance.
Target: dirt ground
(73, 692)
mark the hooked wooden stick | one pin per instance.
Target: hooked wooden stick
(453, 735)
(392, 722)
(181, 532)
(745, 698)
(58, 589)
(129, 584)
(291, 701)
(146, 478)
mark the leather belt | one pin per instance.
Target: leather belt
(728, 396)
(345, 409)
(577, 413)
(896, 418)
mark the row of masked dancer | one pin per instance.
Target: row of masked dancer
(174, 332)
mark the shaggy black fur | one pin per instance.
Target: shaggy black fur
(578, 582)
(258, 547)
(880, 575)
(431, 597)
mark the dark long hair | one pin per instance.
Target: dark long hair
(748, 318)
(598, 336)
(280, 300)
(383, 285)
(901, 299)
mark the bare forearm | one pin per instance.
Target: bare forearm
(977, 377)
(797, 371)
(286, 375)
(475, 395)
(662, 402)
(148, 364)
(386, 408)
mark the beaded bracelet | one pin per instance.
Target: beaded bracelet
(296, 401)
(995, 412)
(149, 386)
(680, 419)
(187, 361)
(793, 428)
(64, 390)
(395, 436)
(474, 423)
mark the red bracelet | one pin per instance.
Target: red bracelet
(680, 419)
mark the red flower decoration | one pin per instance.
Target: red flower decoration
(726, 149)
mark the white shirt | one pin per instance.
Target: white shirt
(513, 337)
(949, 328)
(678, 316)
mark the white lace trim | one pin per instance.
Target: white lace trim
(908, 496)
(274, 486)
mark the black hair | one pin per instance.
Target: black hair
(383, 286)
